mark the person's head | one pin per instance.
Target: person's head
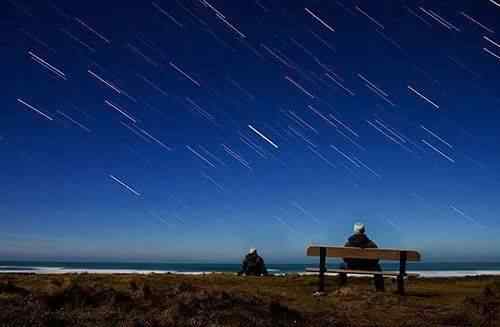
(252, 251)
(359, 228)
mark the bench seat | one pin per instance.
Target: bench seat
(363, 272)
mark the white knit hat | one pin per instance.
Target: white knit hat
(359, 228)
(252, 250)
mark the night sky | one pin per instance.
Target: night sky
(193, 130)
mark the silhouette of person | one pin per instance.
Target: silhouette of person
(253, 264)
(360, 240)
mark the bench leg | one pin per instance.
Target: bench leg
(401, 285)
(402, 273)
(322, 269)
(379, 283)
(342, 279)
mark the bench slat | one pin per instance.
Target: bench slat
(362, 272)
(358, 253)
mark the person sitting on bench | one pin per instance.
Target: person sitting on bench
(253, 265)
(360, 240)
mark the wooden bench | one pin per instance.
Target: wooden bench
(402, 256)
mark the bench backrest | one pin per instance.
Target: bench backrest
(358, 253)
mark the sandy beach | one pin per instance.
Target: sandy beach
(227, 300)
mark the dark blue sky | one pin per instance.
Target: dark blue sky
(192, 130)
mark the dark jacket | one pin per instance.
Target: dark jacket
(253, 265)
(360, 241)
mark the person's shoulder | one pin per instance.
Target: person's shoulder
(351, 238)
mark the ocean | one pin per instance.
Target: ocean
(425, 269)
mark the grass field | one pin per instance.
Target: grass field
(227, 300)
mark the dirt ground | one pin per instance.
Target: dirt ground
(228, 300)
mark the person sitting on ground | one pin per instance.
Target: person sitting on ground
(253, 265)
(360, 240)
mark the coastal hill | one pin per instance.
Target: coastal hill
(227, 300)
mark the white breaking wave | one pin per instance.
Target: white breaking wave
(430, 273)
(62, 270)
(456, 273)
(27, 268)
(274, 272)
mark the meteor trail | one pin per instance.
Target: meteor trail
(120, 110)
(491, 53)
(125, 185)
(114, 88)
(48, 66)
(297, 85)
(373, 20)
(81, 22)
(438, 151)
(491, 41)
(423, 97)
(200, 156)
(263, 136)
(495, 3)
(319, 19)
(436, 136)
(74, 121)
(180, 71)
(34, 109)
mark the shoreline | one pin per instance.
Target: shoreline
(273, 272)
(109, 300)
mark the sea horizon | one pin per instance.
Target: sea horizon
(425, 269)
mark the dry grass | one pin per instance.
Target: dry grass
(227, 300)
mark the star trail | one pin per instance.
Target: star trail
(263, 123)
